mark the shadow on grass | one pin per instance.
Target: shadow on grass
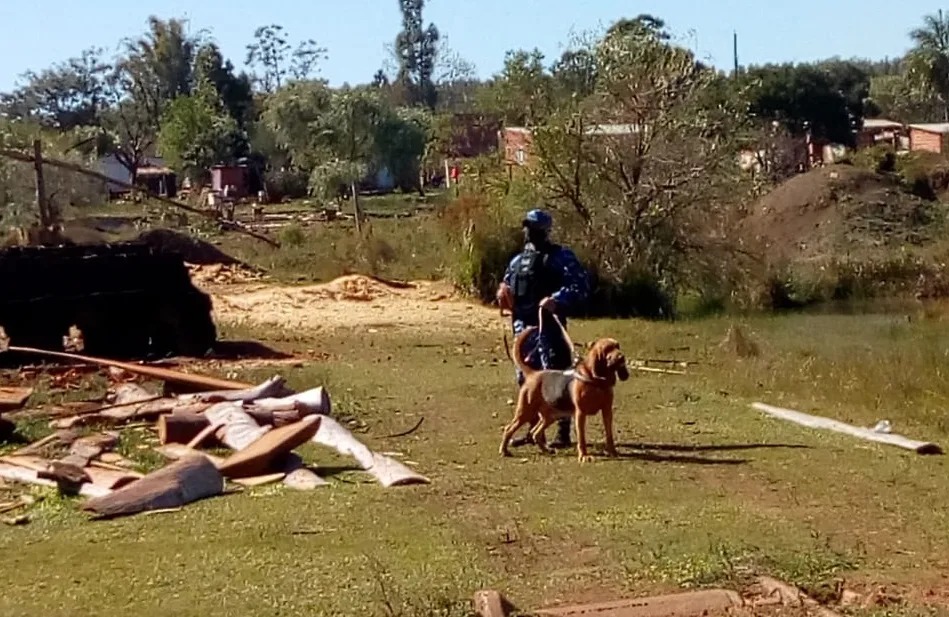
(680, 459)
(736, 447)
(239, 350)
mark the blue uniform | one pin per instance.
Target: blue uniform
(573, 288)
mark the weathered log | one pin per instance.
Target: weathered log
(14, 473)
(180, 483)
(260, 456)
(91, 446)
(275, 386)
(387, 471)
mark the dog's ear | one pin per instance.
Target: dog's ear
(598, 356)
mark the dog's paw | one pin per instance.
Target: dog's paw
(585, 458)
(504, 452)
(612, 452)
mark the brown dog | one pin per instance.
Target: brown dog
(550, 395)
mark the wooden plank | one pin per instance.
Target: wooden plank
(803, 419)
(13, 397)
(258, 457)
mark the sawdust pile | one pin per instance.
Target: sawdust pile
(221, 274)
(353, 301)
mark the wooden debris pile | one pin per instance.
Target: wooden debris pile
(261, 425)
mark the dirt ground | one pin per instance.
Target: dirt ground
(836, 210)
(348, 302)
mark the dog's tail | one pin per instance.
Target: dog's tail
(517, 357)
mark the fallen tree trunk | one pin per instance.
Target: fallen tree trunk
(803, 419)
(315, 400)
(238, 428)
(180, 483)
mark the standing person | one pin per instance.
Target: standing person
(543, 276)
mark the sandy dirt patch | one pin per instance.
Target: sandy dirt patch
(348, 302)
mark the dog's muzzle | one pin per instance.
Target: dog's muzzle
(622, 372)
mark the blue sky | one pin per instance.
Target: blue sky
(356, 32)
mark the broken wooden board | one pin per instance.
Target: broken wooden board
(803, 419)
(13, 397)
(259, 457)
(238, 428)
(111, 478)
(176, 451)
(299, 476)
(387, 471)
(687, 604)
(23, 475)
(315, 400)
(180, 483)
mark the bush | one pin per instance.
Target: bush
(290, 184)
(925, 174)
(880, 159)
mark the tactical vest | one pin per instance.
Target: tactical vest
(533, 280)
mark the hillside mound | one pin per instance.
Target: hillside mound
(837, 211)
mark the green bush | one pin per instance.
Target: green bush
(880, 159)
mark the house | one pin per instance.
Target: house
(929, 137)
(473, 135)
(237, 176)
(517, 141)
(152, 166)
(877, 131)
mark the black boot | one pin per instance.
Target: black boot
(563, 434)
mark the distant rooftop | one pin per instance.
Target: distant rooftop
(881, 123)
(940, 127)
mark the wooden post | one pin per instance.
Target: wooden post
(41, 204)
(356, 213)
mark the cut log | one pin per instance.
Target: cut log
(238, 428)
(686, 604)
(275, 386)
(259, 457)
(30, 476)
(316, 400)
(180, 483)
(36, 463)
(61, 437)
(203, 436)
(13, 397)
(803, 419)
(92, 446)
(387, 471)
(181, 428)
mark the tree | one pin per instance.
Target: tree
(896, 97)
(646, 164)
(521, 93)
(575, 72)
(293, 118)
(234, 91)
(159, 65)
(274, 58)
(197, 132)
(456, 79)
(67, 95)
(416, 48)
(803, 98)
(929, 59)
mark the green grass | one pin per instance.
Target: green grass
(707, 490)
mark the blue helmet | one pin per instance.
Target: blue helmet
(538, 219)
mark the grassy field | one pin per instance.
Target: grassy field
(706, 492)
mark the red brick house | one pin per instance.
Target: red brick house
(929, 137)
(517, 143)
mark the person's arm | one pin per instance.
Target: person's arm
(504, 295)
(575, 284)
